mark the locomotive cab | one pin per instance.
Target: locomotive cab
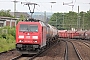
(30, 36)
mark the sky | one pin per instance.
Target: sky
(45, 5)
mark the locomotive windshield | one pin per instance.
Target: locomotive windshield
(28, 28)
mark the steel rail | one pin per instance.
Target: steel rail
(86, 44)
(66, 51)
(43, 51)
(76, 51)
(15, 58)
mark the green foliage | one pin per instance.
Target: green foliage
(71, 20)
(3, 36)
(12, 32)
(56, 19)
(5, 13)
(6, 45)
(7, 39)
(22, 17)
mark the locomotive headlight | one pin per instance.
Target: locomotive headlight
(20, 40)
(34, 37)
(21, 36)
(35, 41)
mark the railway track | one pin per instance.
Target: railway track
(31, 57)
(54, 53)
(86, 43)
(71, 52)
(84, 49)
(63, 50)
(26, 57)
(76, 52)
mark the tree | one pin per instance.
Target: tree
(71, 20)
(56, 20)
(5, 13)
(22, 17)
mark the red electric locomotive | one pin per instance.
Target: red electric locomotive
(32, 36)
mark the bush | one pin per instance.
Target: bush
(7, 38)
(3, 36)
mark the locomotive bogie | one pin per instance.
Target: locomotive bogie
(27, 47)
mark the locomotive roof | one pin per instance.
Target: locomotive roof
(32, 20)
